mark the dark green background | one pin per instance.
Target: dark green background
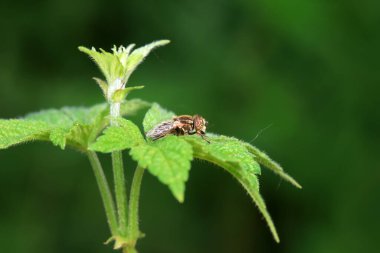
(306, 71)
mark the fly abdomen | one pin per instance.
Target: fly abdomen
(161, 130)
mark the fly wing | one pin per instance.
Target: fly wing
(162, 129)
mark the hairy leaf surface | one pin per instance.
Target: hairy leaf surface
(227, 150)
(133, 106)
(108, 63)
(121, 62)
(74, 126)
(15, 131)
(267, 162)
(232, 155)
(139, 54)
(125, 135)
(169, 160)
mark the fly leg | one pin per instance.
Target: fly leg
(205, 138)
(179, 131)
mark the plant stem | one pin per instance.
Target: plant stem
(133, 225)
(120, 190)
(119, 177)
(105, 192)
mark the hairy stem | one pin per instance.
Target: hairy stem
(119, 177)
(120, 190)
(133, 225)
(105, 192)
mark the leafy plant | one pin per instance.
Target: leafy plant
(105, 128)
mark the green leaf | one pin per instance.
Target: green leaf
(67, 116)
(58, 137)
(227, 150)
(70, 124)
(139, 54)
(102, 84)
(131, 107)
(52, 117)
(169, 160)
(15, 131)
(251, 184)
(121, 94)
(125, 135)
(232, 155)
(73, 126)
(155, 115)
(108, 63)
(264, 160)
(121, 62)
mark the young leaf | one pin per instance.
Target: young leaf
(155, 115)
(124, 135)
(108, 63)
(102, 84)
(169, 160)
(120, 64)
(15, 131)
(264, 160)
(139, 54)
(121, 94)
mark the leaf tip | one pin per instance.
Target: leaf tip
(276, 238)
(83, 49)
(180, 198)
(290, 180)
(163, 42)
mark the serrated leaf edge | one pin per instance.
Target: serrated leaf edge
(255, 195)
(262, 158)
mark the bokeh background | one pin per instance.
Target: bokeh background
(299, 79)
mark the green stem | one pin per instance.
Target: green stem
(120, 190)
(105, 192)
(133, 225)
(118, 172)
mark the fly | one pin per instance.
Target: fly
(180, 125)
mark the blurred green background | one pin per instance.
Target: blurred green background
(305, 72)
